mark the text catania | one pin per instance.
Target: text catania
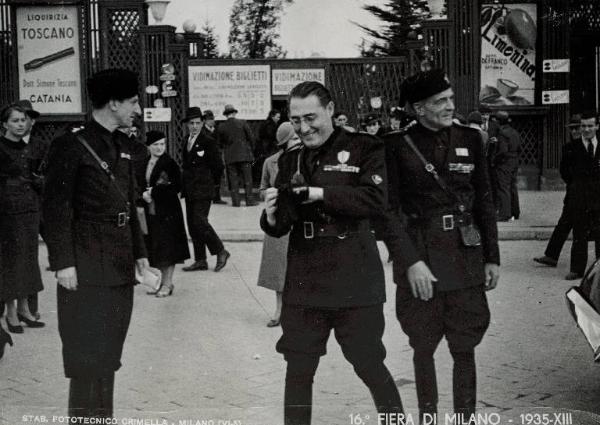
(50, 98)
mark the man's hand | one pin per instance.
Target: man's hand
(147, 195)
(421, 280)
(271, 204)
(492, 274)
(67, 278)
(141, 264)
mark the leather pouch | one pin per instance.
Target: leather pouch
(469, 234)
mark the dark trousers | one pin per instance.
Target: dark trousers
(462, 316)
(358, 331)
(503, 191)
(237, 171)
(218, 178)
(559, 235)
(515, 208)
(202, 233)
(579, 249)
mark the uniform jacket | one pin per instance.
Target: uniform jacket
(582, 176)
(79, 200)
(19, 190)
(268, 138)
(340, 265)
(457, 155)
(201, 166)
(237, 140)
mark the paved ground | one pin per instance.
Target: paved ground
(205, 354)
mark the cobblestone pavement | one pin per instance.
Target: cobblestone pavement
(205, 354)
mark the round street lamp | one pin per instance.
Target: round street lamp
(158, 9)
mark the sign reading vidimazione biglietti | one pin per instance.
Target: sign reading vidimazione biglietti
(246, 87)
(284, 80)
(49, 58)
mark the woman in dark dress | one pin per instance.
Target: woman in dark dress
(166, 240)
(19, 221)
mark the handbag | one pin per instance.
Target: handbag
(469, 232)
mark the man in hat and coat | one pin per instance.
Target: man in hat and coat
(439, 183)
(505, 166)
(211, 128)
(201, 166)
(237, 141)
(565, 222)
(94, 240)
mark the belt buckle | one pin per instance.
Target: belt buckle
(448, 222)
(309, 230)
(122, 219)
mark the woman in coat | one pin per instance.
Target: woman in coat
(166, 240)
(274, 254)
(19, 221)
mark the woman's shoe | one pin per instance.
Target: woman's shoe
(273, 323)
(15, 329)
(5, 338)
(154, 292)
(30, 323)
(164, 291)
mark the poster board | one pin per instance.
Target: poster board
(48, 40)
(246, 87)
(284, 80)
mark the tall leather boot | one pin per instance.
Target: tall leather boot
(464, 384)
(235, 198)
(80, 398)
(426, 381)
(297, 403)
(103, 396)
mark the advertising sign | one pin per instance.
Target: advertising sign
(508, 55)
(246, 87)
(285, 79)
(554, 97)
(48, 58)
(157, 114)
(556, 65)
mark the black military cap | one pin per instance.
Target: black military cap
(423, 85)
(371, 119)
(112, 84)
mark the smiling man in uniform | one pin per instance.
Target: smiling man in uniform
(324, 195)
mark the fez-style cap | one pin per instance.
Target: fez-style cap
(208, 115)
(475, 117)
(229, 109)
(423, 85)
(154, 136)
(26, 104)
(575, 120)
(191, 113)
(285, 133)
(371, 119)
(112, 84)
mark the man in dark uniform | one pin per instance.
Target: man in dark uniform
(325, 194)
(201, 165)
(441, 280)
(505, 166)
(580, 168)
(94, 240)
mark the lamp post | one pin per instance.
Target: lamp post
(158, 9)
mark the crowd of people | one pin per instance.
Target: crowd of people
(431, 184)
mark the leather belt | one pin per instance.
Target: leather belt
(446, 222)
(312, 229)
(120, 219)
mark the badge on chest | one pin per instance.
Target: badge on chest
(460, 167)
(342, 157)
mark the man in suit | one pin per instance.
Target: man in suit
(201, 166)
(211, 128)
(94, 240)
(238, 143)
(324, 195)
(580, 168)
(565, 222)
(505, 166)
(452, 256)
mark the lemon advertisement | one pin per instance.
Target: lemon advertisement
(508, 54)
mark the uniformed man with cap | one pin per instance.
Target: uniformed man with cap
(439, 182)
(324, 195)
(94, 240)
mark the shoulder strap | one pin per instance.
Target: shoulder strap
(430, 168)
(103, 164)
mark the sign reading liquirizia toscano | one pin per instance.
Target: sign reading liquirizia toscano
(49, 58)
